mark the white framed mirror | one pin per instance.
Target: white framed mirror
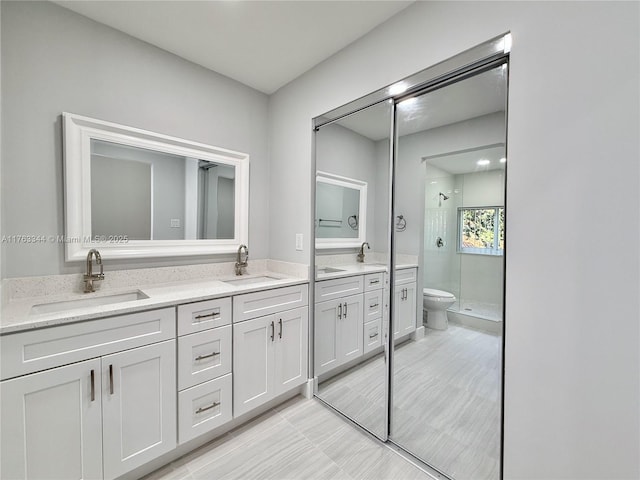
(341, 211)
(133, 193)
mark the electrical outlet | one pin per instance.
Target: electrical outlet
(299, 241)
(175, 223)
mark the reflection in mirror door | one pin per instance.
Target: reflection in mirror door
(449, 186)
(352, 296)
(145, 194)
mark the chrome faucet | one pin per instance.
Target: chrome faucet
(91, 277)
(361, 252)
(240, 264)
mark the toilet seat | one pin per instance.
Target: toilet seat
(432, 292)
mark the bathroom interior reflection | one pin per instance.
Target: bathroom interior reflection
(409, 315)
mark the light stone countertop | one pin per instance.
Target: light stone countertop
(352, 269)
(17, 316)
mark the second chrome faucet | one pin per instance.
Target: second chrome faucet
(240, 262)
(361, 252)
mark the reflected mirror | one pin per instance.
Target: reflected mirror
(134, 193)
(341, 211)
(352, 256)
(450, 178)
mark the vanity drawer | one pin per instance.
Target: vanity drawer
(204, 356)
(405, 275)
(44, 348)
(204, 407)
(266, 302)
(199, 316)
(372, 335)
(373, 281)
(339, 287)
(373, 304)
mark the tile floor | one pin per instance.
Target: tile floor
(300, 439)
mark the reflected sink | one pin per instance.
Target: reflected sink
(87, 302)
(328, 270)
(250, 280)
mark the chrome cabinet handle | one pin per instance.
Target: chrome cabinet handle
(273, 331)
(208, 315)
(374, 335)
(373, 282)
(204, 409)
(340, 311)
(111, 379)
(93, 385)
(374, 305)
(345, 309)
(202, 357)
(280, 332)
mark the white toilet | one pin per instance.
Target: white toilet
(435, 304)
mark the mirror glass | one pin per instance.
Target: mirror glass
(450, 188)
(341, 211)
(151, 195)
(351, 296)
(134, 193)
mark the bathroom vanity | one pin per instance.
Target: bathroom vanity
(99, 390)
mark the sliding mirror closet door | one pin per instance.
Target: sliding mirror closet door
(352, 237)
(449, 208)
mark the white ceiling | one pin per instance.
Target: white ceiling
(263, 44)
(476, 96)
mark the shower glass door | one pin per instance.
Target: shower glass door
(449, 209)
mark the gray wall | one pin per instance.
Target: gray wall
(572, 386)
(343, 152)
(54, 60)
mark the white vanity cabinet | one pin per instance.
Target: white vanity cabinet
(204, 367)
(405, 306)
(110, 411)
(269, 350)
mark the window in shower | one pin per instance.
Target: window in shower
(481, 230)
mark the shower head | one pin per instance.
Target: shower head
(444, 197)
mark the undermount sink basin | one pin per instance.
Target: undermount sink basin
(329, 270)
(87, 302)
(250, 280)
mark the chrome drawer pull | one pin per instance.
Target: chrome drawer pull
(93, 386)
(374, 335)
(202, 357)
(204, 409)
(374, 305)
(371, 282)
(208, 315)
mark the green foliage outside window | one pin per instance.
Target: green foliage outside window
(481, 230)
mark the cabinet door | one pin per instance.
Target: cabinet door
(138, 406)
(52, 424)
(350, 328)
(405, 310)
(325, 336)
(292, 346)
(253, 351)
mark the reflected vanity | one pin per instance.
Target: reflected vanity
(134, 193)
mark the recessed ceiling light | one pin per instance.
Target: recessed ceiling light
(483, 162)
(397, 88)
